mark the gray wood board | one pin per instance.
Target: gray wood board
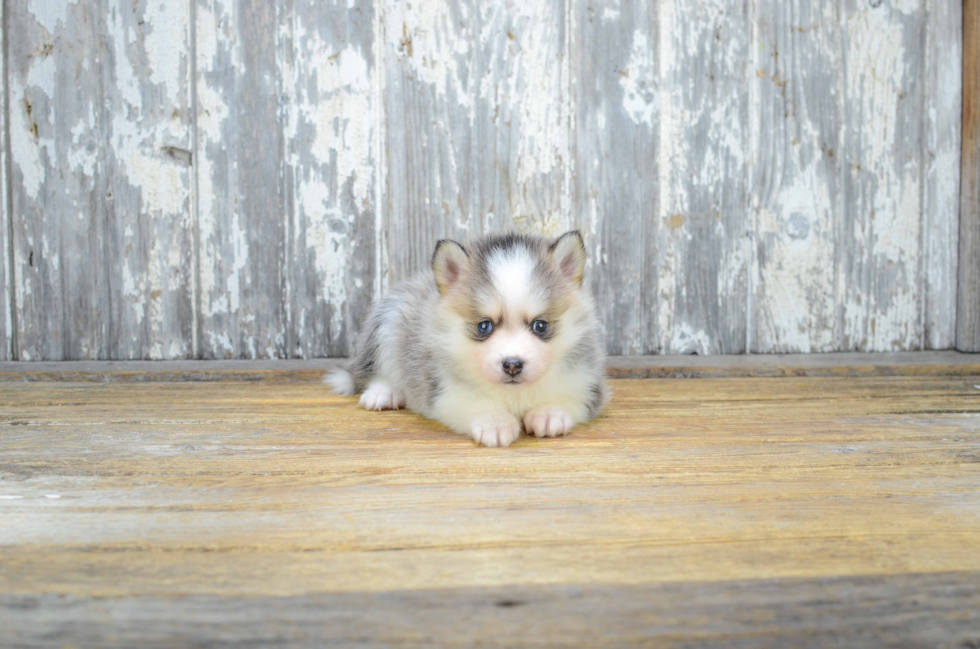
(795, 182)
(615, 200)
(100, 126)
(59, 183)
(912, 610)
(332, 139)
(287, 138)
(880, 237)
(476, 123)
(942, 110)
(241, 186)
(703, 255)
(6, 281)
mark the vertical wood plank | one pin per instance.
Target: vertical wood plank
(149, 237)
(241, 187)
(59, 179)
(615, 145)
(704, 241)
(6, 225)
(968, 300)
(880, 240)
(99, 164)
(943, 112)
(327, 64)
(476, 122)
(429, 135)
(795, 189)
(520, 116)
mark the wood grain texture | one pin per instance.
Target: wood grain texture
(704, 242)
(795, 184)
(242, 196)
(968, 296)
(328, 70)
(242, 179)
(924, 610)
(614, 187)
(59, 180)
(146, 99)
(854, 364)
(100, 139)
(942, 111)
(6, 224)
(476, 123)
(733, 509)
(287, 136)
(880, 244)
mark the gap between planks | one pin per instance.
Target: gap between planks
(945, 363)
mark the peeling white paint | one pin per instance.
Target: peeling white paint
(888, 228)
(503, 70)
(684, 339)
(423, 35)
(639, 81)
(50, 13)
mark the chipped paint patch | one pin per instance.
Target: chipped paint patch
(639, 82)
(50, 14)
(883, 314)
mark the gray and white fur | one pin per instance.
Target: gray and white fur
(498, 338)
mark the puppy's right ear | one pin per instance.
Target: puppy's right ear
(448, 263)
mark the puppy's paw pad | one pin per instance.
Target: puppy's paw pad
(495, 430)
(548, 422)
(381, 397)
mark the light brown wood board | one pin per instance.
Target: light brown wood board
(742, 512)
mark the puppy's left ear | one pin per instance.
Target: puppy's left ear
(569, 253)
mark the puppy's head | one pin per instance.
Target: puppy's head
(512, 303)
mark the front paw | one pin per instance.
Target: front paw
(380, 396)
(550, 421)
(495, 429)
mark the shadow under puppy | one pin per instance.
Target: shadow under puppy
(499, 333)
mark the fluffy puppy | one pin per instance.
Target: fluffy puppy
(499, 336)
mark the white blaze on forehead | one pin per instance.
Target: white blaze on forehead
(512, 274)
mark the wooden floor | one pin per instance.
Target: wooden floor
(743, 512)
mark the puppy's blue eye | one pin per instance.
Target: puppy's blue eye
(540, 327)
(484, 328)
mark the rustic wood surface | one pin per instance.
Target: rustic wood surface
(948, 363)
(941, 137)
(795, 198)
(743, 512)
(615, 83)
(100, 175)
(6, 307)
(968, 303)
(242, 179)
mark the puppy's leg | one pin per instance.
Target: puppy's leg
(480, 418)
(381, 396)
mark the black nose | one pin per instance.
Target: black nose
(513, 366)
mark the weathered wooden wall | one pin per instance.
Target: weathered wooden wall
(241, 178)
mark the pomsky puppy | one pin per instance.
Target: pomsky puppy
(500, 333)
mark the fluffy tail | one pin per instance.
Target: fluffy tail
(341, 381)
